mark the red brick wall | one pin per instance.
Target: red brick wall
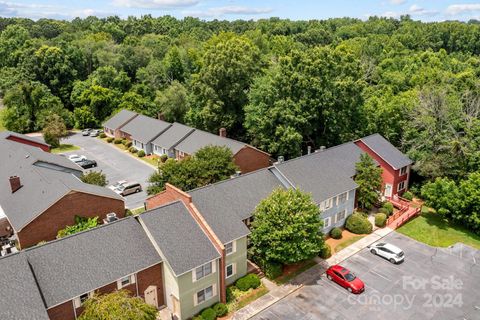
(42, 146)
(250, 159)
(170, 195)
(62, 213)
(389, 174)
(150, 276)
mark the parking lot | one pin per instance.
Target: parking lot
(116, 164)
(430, 284)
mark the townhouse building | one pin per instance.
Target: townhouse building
(112, 127)
(41, 193)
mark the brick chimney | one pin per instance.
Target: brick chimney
(161, 116)
(15, 183)
(222, 132)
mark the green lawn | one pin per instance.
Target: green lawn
(65, 148)
(348, 242)
(432, 229)
(287, 277)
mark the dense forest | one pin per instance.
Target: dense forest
(280, 85)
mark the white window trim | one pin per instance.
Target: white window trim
(77, 303)
(329, 219)
(194, 271)
(234, 270)
(400, 183)
(132, 280)
(338, 214)
(405, 169)
(195, 295)
(234, 247)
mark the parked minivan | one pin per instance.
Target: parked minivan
(128, 188)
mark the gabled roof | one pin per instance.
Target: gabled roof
(323, 173)
(386, 151)
(20, 298)
(199, 139)
(145, 129)
(182, 241)
(45, 179)
(7, 134)
(85, 261)
(224, 205)
(120, 119)
(173, 135)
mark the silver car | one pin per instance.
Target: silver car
(128, 188)
(388, 251)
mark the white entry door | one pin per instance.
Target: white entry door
(151, 296)
(388, 190)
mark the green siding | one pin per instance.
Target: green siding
(188, 289)
(239, 257)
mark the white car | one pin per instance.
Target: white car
(117, 185)
(388, 251)
(76, 158)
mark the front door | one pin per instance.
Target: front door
(388, 190)
(151, 296)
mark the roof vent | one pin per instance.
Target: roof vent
(309, 149)
(15, 183)
(280, 159)
(110, 217)
(322, 148)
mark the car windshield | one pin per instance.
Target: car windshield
(120, 188)
(350, 277)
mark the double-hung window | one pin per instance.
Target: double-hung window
(340, 215)
(328, 203)
(80, 300)
(230, 248)
(326, 222)
(342, 198)
(230, 270)
(204, 294)
(401, 185)
(403, 171)
(203, 271)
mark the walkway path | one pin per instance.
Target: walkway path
(277, 293)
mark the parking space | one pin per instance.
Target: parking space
(432, 283)
(116, 164)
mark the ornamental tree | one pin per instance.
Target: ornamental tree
(118, 305)
(97, 178)
(287, 227)
(369, 179)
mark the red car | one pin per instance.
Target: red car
(345, 278)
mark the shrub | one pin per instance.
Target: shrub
(408, 195)
(141, 153)
(102, 135)
(358, 224)
(109, 140)
(124, 142)
(380, 220)
(117, 141)
(389, 207)
(336, 233)
(132, 150)
(384, 211)
(209, 314)
(272, 270)
(325, 252)
(163, 157)
(128, 144)
(220, 309)
(247, 282)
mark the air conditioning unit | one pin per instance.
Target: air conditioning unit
(111, 217)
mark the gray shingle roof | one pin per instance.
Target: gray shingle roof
(120, 119)
(41, 186)
(82, 262)
(323, 173)
(225, 204)
(145, 129)
(20, 298)
(173, 135)
(386, 151)
(6, 134)
(199, 139)
(179, 237)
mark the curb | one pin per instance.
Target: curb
(128, 153)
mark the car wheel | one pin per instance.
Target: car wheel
(137, 191)
(329, 277)
(349, 289)
(392, 260)
(373, 251)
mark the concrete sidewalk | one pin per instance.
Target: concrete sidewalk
(277, 293)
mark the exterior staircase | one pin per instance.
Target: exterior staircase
(405, 212)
